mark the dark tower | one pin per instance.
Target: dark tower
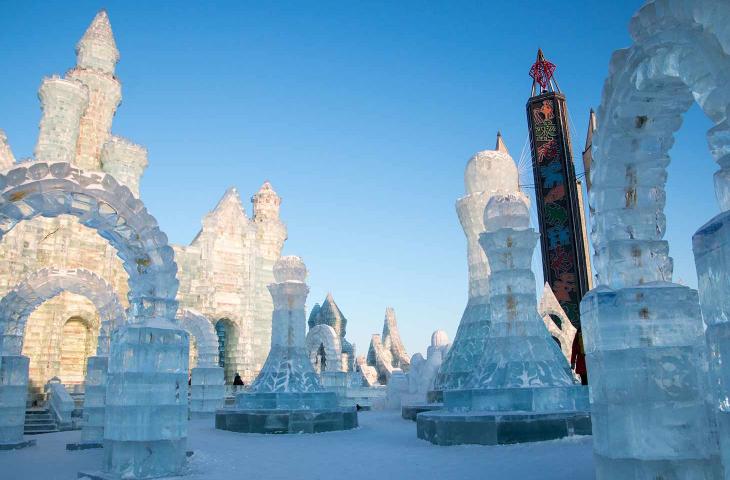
(558, 194)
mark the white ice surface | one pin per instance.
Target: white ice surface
(385, 446)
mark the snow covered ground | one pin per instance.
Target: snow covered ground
(385, 446)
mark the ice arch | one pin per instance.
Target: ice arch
(202, 329)
(324, 335)
(680, 55)
(644, 337)
(37, 288)
(153, 350)
(37, 188)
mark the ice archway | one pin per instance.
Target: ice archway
(202, 329)
(207, 386)
(643, 334)
(325, 337)
(37, 288)
(150, 351)
(50, 189)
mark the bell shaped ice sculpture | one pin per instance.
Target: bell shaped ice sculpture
(487, 173)
(287, 397)
(521, 389)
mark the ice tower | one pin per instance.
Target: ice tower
(287, 396)
(522, 389)
(487, 172)
(270, 237)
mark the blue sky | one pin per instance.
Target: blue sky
(361, 114)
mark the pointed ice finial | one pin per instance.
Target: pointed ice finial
(97, 49)
(588, 151)
(266, 187)
(501, 147)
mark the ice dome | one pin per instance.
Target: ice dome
(439, 338)
(491, 170)
(290, 269)
(507, 210)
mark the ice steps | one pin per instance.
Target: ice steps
(39, 420)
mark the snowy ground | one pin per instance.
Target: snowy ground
(385, 446)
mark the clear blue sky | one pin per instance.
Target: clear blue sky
(361, 114)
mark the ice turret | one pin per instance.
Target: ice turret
(96, 58)
(63, 103)
(271, 235)
(125, 161)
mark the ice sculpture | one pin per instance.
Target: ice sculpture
(330, 314)
(521, 389)
(144, 435)
(17, 305)
(145, 429)
(287, 397)
(643, 334)
(207, 386)
(487, 173)
(412, 399)
(324, 349)
(387, 352)
(557, 321)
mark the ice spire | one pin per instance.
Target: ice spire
(501, 147)
(588, 150)
(7, 159)
(97, 49)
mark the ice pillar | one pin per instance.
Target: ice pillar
(207, 391)
(711, 245)
(145, 425)
(13, 395)
(92, 430)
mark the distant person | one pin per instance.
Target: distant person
(237, 380)
(578, 359)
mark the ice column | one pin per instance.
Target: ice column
(519, 351)
(13, 395)
(287, 368)
(487, 172)
(92, 430)
(711, 245)
(63, 102)
(145, 426)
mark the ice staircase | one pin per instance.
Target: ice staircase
(39, 420)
